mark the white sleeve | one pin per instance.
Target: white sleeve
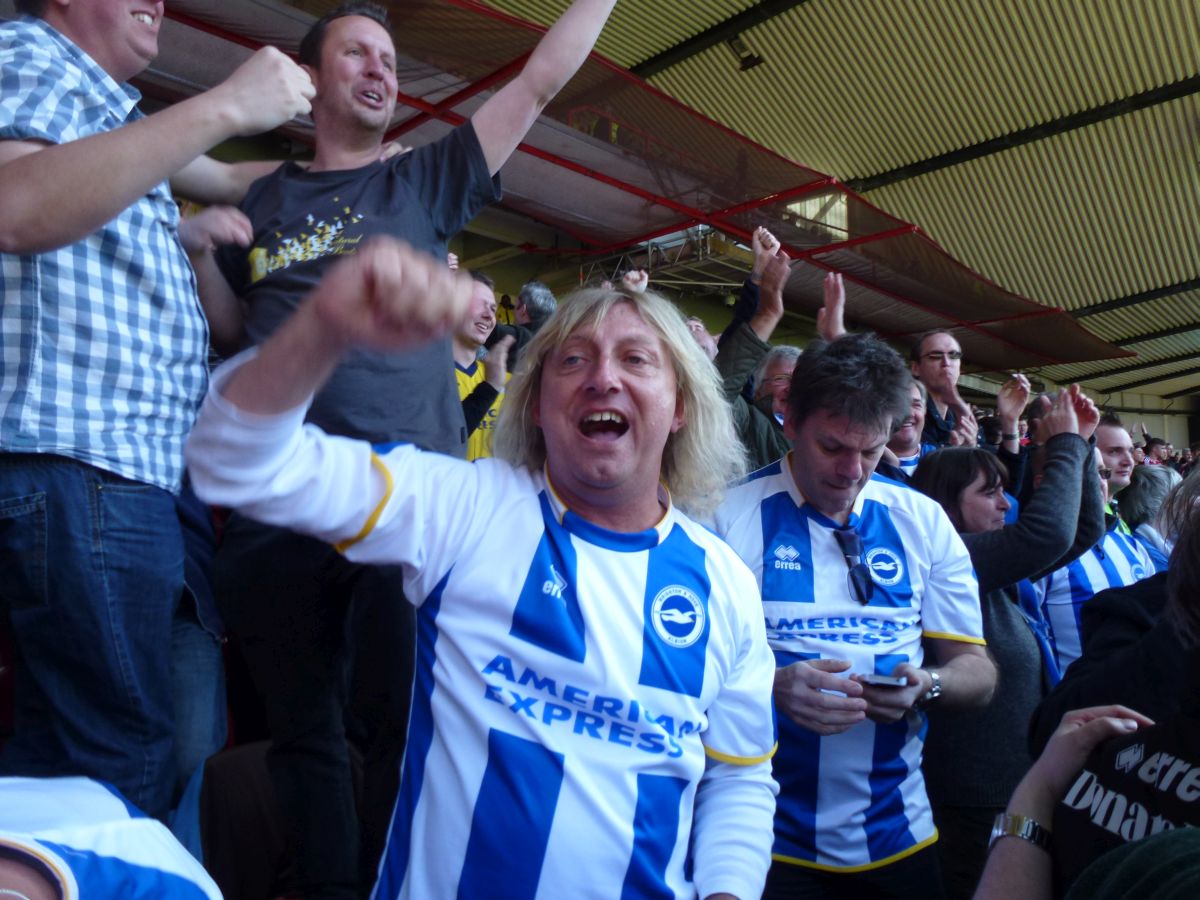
(732, 830)
(950, 608)
(280, 471)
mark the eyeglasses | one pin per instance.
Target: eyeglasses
(942, 356)
(858, 578)
(1104, 472)
(778, 379)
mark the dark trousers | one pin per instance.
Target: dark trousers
(329, 645)
(915, 877)
(963, 846)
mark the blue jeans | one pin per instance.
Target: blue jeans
(92, 569)
(197, 656)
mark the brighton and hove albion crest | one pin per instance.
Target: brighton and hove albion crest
(677, 616)
(887, 568)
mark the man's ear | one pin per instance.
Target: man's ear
(314, 76)
(680, 418)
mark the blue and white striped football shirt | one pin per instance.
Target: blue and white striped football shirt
(102, 343)
(1116, 561)
(854, 800)
(90, 842)
(591, 710)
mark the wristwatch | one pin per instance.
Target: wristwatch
(1022, 827)
(935, 691)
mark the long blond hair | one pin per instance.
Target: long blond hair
(699, 459)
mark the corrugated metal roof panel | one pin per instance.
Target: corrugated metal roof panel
(864, 87)
(1147, 317)
(1099, 213)
(637, 31)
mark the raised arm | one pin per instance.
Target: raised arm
(1045, 531)
(770, 298)
(1010, 403)
(502, 122)
(265, 91)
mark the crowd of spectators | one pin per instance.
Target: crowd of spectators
(514, 619)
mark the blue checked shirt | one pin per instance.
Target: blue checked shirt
(102, 343)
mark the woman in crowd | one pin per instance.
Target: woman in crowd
(974, 759)
(1115, 788)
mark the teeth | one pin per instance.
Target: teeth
(144, 18)
(605, 417)
(371, 95)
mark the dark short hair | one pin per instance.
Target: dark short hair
(1110, 419)
(482, 277)
(991, 429)
(944, 474)
(1153, 442)
(538, 300)
(914, 351)
(310, 45)
(31, 7)
(857, 376)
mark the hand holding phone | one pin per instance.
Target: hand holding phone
(882, 680)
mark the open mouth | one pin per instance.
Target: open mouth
(373, 98)
(144, 17)
(604, 425)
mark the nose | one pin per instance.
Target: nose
(850, 467)
(1002, 503)
(602, 375)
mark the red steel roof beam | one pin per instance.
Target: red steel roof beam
(926, 309)
(777, 197)
(503, 73)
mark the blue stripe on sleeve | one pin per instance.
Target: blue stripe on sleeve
(510, 826)
(655, 829)
(108, 876)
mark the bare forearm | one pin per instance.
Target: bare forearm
(503, 121)
(968, 680)
(210, 181)
(764, 322)
(63, 177)
(221, 306)
(1016, 868)
(566, 45)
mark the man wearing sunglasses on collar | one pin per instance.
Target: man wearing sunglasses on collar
(861, 579)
